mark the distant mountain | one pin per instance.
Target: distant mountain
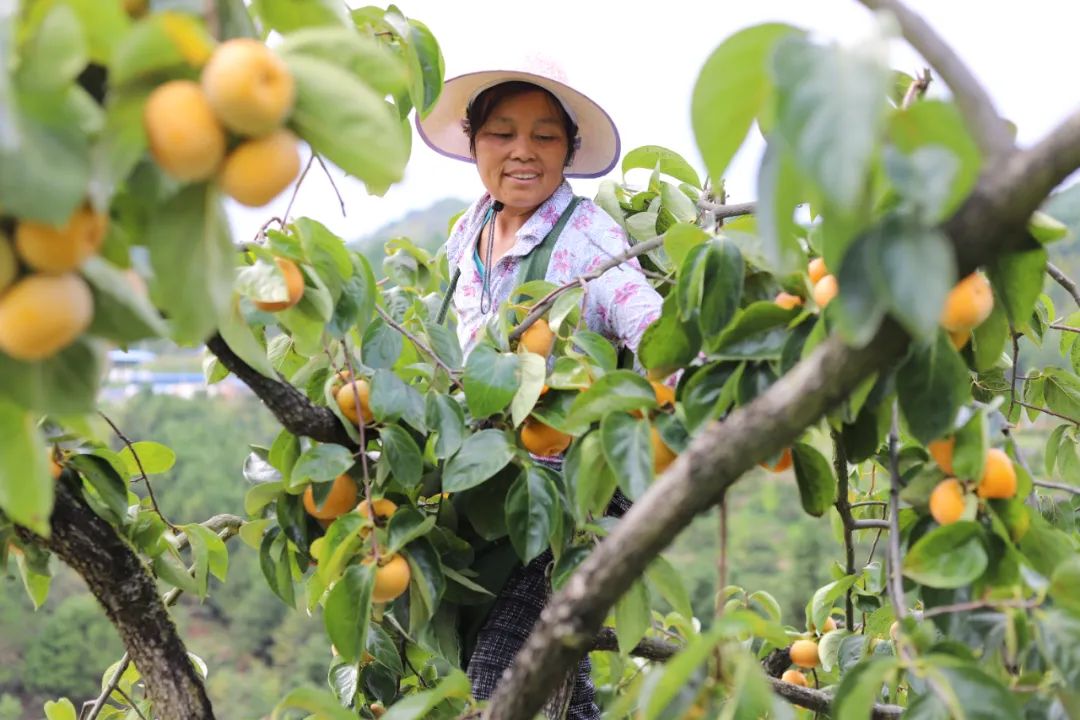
(427, 228)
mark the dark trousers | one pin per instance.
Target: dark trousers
(510, 622)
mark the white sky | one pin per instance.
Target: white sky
(640, 62)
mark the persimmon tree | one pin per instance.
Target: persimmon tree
(870, 347)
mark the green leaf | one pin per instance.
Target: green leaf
(531, 505)
(481, 455)
(1065, 584)
(951, 556)
(917, 270)
(319, 704)
(363, 56)
(597, 347)
(703, 394)
(120, 313)
(172, 570)
(208, 555)
(160, 42)
(391, 399)
(627, 443)
(723, 284)
(932, 385)
(427, 584)
(591, 481)
(830, 109)
(923, 181)
(491, 380)
(758, 332)
(940, 125)
(444, 342)
(406, 464)
(1045, 547)
(669, 162)
(406, 525)
(110, 486)
(814, 474)
(320, 463)
(972, 441)
(382, 345)
(1017, 279)
(417, 705)
(241, 339)
(532, 370)
(62, 709)
(825, 597)
(665, 580)
(426, 65)
(676, 672)
(286, 16)
(968, 690)
(348, 608)
(862, 302)
(192, 257)
(632, 617)
(348, 122)
(66, 383)
(860, 689)
(55, 53)
(780, 191)
(680, 239)
(669, 343)
(988, 340)
(26, 488)
(445, 417)
(154, 458)
(724, 102)
(616, 391)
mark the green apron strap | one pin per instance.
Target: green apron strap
(534, 266)
(445, 306)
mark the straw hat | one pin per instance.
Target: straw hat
(443, 128)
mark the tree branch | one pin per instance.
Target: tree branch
(724, 211)
(120, 582)
(292, 408)
(1064, 281)
(841, 467)
(389, 320)
(895, 578)
(1058, 486)
(989, 129)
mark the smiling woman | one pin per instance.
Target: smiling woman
(526, 133)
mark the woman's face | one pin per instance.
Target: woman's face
(520, 150)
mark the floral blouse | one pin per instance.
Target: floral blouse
(619, 304)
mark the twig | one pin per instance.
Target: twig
(142, 472)
(722, 212)
(871, 524)
(1058, 486)
(1064, 281)
(916, 89)
(895, 568)
(722, 566)
(842, 507)
(868, 503)
(296, 189)
(131, 703)
(389, 320)
(1065, 328)
(1015, 368)
(330, 177)
(980, 605)
(1048, 411)
(266, 226)
(990, 131)
(873, 550)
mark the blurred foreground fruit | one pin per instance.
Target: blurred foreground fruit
(185, 137)
(61, 249)
(999, 476)
(42, 314)
(804, 653)
(968, 304)
(947, 501)
(260, 169)
(249, 87)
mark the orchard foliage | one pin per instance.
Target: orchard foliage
(398, 533)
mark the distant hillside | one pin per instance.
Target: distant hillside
(426, 227)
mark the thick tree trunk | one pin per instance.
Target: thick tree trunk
(130, 597)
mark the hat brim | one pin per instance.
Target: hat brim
(442, 128)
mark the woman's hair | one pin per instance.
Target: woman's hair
(485, 103)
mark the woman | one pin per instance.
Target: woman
(526, 133)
